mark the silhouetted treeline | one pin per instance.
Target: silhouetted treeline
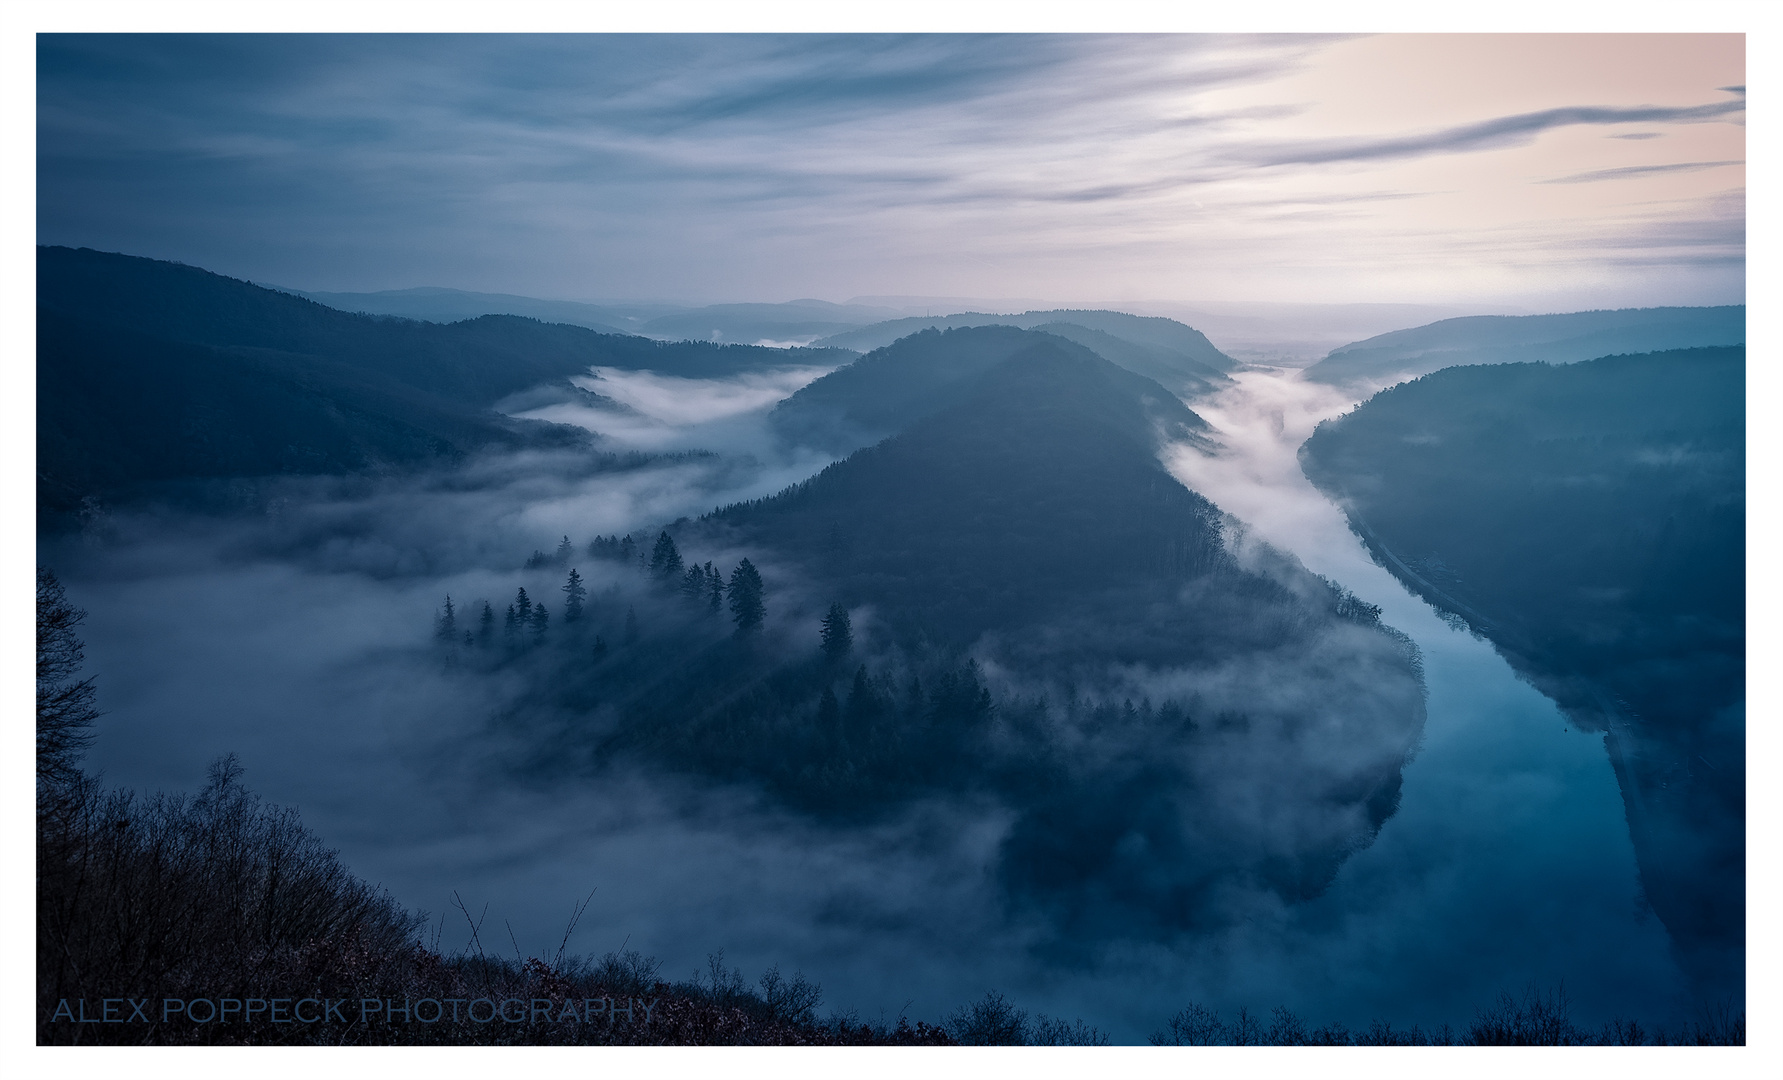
(1536, 1018)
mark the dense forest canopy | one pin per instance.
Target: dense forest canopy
(893, 387)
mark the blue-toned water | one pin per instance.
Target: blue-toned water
(1508, 862)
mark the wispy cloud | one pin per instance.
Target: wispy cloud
(706, 167)
(1485, 135)
(1627, 171)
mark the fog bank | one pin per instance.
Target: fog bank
(299, 639)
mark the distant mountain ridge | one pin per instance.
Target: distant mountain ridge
(794, 320)
(1510, 339)
(157, 373)
(432, 304)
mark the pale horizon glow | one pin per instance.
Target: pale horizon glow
(1527, 171)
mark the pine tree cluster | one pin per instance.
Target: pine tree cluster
(699, 586)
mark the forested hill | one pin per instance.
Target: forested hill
(1590, 520)
(1148, 330)
(892, 387)
(1022, 606)
(1176, 355)
(1509, 339)
(153, 374)
(1020, 491)
(474, 362)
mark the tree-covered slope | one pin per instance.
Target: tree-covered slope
(1590, 520)
(474, 362)
(1038, 481)
(1176, 355)
(893, 387)
(1159, 333)
(1042, 617)
(152, 373)
(1172, 369)
(1509, 339)
(122, 414)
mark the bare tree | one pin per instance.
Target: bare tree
(65, 710)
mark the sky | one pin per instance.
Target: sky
(1533, 171)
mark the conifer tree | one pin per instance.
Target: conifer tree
(714, 590)
(445, 625)
(600, 648)
(693, 585)
(574, 592)
(829, 719)
(747, 606)
(541, 621)
(665, 560)
(486, 626)
(563, 551)
(511, 625)
(861, 691)
(522, 608)
(862, 705)
(837, 634)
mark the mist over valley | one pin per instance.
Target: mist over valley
(871, 539)
(1100, 736)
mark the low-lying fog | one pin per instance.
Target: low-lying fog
(300, 640)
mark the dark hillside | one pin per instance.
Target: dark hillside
(474, 362)
(1044, 617)
(1041, 483)
(120, 411)
(1514, 339)
(156, 376)
(1187, 348)
(1590, 520)
(890, 388)
(1173, 370)
(799, 319)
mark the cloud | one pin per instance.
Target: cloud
(665, 414)
(684, 402)
(1637, 170)
(1484, 135)
(721, 167)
